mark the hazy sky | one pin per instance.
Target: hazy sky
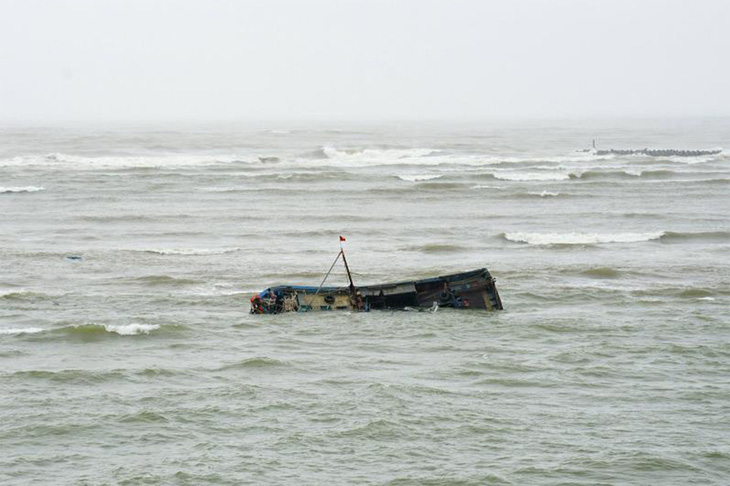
(362, 59)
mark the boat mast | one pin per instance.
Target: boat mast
(353, 290)
(349, 275)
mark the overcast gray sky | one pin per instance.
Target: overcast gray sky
(362, 60)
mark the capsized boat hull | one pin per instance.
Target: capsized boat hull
(468, 290)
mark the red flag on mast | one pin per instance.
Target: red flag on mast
(342, 238)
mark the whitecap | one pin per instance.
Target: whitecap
(118, 162)
(706, 298)
(131, 329)
(580, 238)
(4, 190)
(374, 157)
(25, 330)
(418, 177)
(531, 176)
(544, 194)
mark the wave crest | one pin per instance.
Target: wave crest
(418, 177)
(24, 330)
(131, 329)
(255, 362)
(624, 174)
(86, 331)
(18, 189)
(531, 176)
(721, 236)
(580, 238)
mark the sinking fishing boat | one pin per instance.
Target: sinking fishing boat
(468, 290)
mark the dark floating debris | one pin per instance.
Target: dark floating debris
(74, 258)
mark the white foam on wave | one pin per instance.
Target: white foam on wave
(532, 176)
(549, 159)
(25, 330)
(544, 194)
(68, 161)
(580, 238)
(486, 186)
(334, 153)
(29, 293)
(709, 299)
(418, 177)
(131, 329)
(334, 157)
(376, 157)
(4, 190)
(699, 159)
(431, 156)
(370, 157)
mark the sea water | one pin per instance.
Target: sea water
(129, 253)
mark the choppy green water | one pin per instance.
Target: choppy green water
(139, 364)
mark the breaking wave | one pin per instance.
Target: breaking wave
(28, 295)
(544, 194)
(598, 238)
(118, 162)
(18, 189)
(372, 157)
(88, 331)
(486, 186)
(334, 153)
(531, 176)
(580, 238)
(24, 330)
(624, 174)
(418, 177)
(131, 329)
